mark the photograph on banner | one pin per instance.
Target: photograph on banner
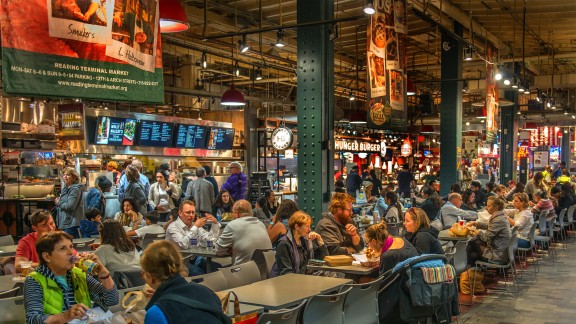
(400, 16)
(134, 33)
(392, 60)
(81, 20)
(396, 90)
(377, 34)
(377, 75)
(540, 159)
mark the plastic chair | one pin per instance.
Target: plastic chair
(149, 238)
(361, 304)
(394, 228)
(264, 259)
(13, 310)
(241, 275)
(458, 257)
(213, 280)
(84, 246)
(128, 279)
(325, 308)
(512, 243)
(559, 227)
(545, 240)
(6, 240)
(9, 293)
(522, 252)
(283, 316)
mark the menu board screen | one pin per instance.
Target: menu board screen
(220, 138)
(155, 133)
(191, 136)
(115, 131)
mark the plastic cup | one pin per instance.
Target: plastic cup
(462, 223)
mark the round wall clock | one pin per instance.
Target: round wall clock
(282, 138)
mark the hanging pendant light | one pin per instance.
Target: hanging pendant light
(410, 89)
(358, 117)
(369, 8)
(280, 39)
(173, 17)
(232, 97)
(242, 45)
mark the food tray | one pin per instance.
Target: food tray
(11, 143)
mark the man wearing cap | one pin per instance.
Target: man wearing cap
(236, 182)
(95, 196)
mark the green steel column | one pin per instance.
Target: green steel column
(508, 138)
(451, 112)
(315, 107)
(566, 149)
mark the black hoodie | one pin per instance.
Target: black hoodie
(425, 240)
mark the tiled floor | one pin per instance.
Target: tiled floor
(550, 298)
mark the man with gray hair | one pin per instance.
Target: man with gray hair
(450, 212)
(236, 182)
(242, 236)
(202, 192)
(124, 182)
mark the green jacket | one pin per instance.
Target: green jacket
(54, 296)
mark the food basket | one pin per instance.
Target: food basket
(371, 263)
(459, 230)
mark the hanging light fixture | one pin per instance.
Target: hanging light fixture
(410, 89)
(280, 39)
(173, 17)
(427, 129)
(242, 45)
(258, 74)
(498, 73)
(481, 113)
(237, 69)
(514, 83)
(506, 82)
(351, 96)
(468, 51)
(204, 60)
(369, 8)
(358, 117)
(530, 126)
(232, 97)
(465, 86)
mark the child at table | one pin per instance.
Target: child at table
(89, 226)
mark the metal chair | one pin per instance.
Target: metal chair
(213, 280)
(512, 243)
(264, 260)
(9, 293)
(559, 227)
(6, 240)
(241, 275)
(545, 239)
(149, 238)
(325, 308)
(394, 228)
(128, 279)
(458, 257)
(13, 310)
(522, 252)
(283, 316)
(84, 246)
(361, 304)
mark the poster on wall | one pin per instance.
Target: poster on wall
(61, 48)
(540, 159)
(386, 57)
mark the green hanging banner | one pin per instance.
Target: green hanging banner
(90, 49)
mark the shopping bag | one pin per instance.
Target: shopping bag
(251, 318)
(466, 279)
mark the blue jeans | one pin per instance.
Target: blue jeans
(72, 231)
(523, 243)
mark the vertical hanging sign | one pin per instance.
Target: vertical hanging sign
(386, 64)
(491, 92)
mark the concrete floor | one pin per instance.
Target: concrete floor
(548, 298)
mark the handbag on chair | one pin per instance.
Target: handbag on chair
(466, 279)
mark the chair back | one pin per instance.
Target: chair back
(512, 246)
(6, 240)
(322, 309)
(570, 214)
(213, 280)
(460, 257)
(394, 228)
(542, 222)
(264, 260)
(241, 275)
(532, 234)
(80, 234)
(550, 225)
(9, 293)
(149, 238)
(361, 304)
(84, 246)
(13, 311)
(128, 279)
(283, 316)
(561, 218)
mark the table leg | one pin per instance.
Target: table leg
(208, 264)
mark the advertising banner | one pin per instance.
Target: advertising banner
(93, 49)
(386, 57)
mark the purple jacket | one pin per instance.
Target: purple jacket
(236, 185)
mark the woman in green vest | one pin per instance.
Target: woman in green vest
(59, 292)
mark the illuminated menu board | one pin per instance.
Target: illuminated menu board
(155, 133)
(220, 138)
(115, 131)
(191, 136)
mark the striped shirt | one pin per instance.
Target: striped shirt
(34, 296)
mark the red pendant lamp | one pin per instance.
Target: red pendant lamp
(530, 126)
(173, 17)
(232, 97)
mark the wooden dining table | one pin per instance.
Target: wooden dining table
(287, 290)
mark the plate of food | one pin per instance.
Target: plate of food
(129, 129)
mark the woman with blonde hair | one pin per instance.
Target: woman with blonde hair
(176, 300)
(522, 218)
(69, 205)
(392, 249)
(299, 245)
(419, 232)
